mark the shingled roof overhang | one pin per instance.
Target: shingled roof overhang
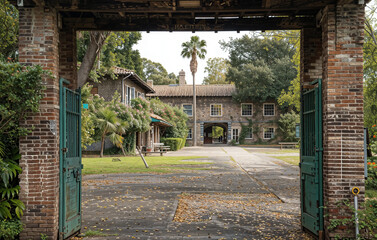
(133, 77)
(188, 15)
(221, 90)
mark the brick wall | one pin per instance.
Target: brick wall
(311, 56)
(68, 56)
(342, 37)
(39, 181)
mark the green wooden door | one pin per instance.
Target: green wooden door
(311, 159)
(70, 162)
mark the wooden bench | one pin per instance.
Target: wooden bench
(288, 144)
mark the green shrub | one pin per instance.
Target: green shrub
(9, 229)
(174, 143)
(371, 182)
(287, 126)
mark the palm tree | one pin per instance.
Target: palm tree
(193, 49)
(110, 126)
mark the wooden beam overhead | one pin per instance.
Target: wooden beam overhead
(188, 24)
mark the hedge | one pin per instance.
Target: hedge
(174, 143)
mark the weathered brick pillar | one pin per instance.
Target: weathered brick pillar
(39, 181)
(343, 168)
(311, 56)
(68, 56)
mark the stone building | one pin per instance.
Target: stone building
(215, 107)
(129, 85)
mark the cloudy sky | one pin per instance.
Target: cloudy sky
(165, 48)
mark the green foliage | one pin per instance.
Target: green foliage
(10, 229)
(156, 72)
(373, 138)
(193, 49)
(371, 182)
(128, 119)
(174, 143)
(129, 142)
(244, 131)
(367, 217)
(172, 115)
(116, 51)
(20, 91)
(259, 67)
(8, 29)
(287, 126)
(217, 131)
(10, 206)
(216, 68)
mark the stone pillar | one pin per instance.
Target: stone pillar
(343, 163)
(39, 181)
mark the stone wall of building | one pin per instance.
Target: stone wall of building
(231, 113)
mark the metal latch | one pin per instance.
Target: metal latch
(64, 150)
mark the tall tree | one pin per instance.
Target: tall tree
(108, 50)
(260, 67)
(8, 29)
(193, 49)
(96, 41)
(216, 68)
(156, 72)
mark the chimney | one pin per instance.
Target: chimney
(182, 80)
(150, 83)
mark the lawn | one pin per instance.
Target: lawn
(135, 165)
(294, 160)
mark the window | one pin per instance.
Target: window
(187, 108)
(235, 135)
(216, 110)
(130, 94)
(268, 133)
(139, 94)
(246, 109)
(249, 133)
(268, 109)
(189, 134)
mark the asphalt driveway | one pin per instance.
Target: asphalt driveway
(242, 195)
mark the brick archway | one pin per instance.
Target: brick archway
(331, 49)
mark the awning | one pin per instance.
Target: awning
(159, 121)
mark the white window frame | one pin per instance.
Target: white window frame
(133, 91)
(191, 109)
(138, 94)
(128, 95)
(238, 134)
(273, 134)
(221, 110)
(189, 133)
(264, 104)
(250, 128)
(252, 108)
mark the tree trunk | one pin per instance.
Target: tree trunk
(97, 40)
(102, 145)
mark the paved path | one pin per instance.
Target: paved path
(242, 195)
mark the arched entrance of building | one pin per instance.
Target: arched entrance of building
(215, 133)
(331, 49)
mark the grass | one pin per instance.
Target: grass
(277, 151)
(135, 165)
(294, 160)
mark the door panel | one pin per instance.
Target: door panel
(70, 162)
(311, 159)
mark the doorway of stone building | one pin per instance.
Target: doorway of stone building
(215, 133)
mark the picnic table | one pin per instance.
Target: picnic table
(288, 144)
(158, 148)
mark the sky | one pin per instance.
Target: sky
(165, 48)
